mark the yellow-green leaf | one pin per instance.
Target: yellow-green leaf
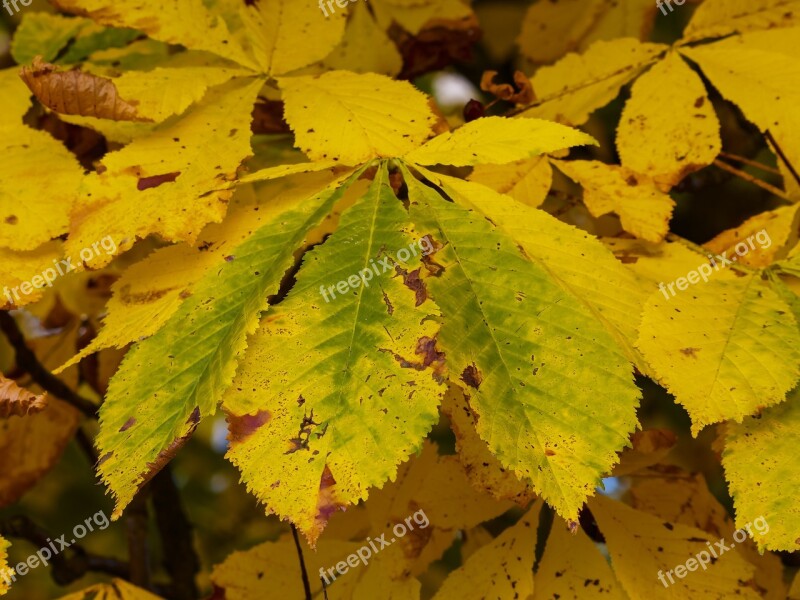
(343, 360)
(513, 339)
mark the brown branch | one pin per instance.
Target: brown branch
(749, 162)
(180, 558)
(136, 521)
(783, 156)
(27, 361)
(67, 566)
(303, 571)
(755, 181)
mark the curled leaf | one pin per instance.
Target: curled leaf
(17, 401)
(520, 93)
(77, 93)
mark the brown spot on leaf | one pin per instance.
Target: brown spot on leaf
(242, 427)
(146, 183)
(12, 220)
(167, 454)
(414, 282)
(472, 376)
(690, 352)
(128, 424)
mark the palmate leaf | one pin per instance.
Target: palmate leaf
(553, 392)
(334, 391)
(196, 352)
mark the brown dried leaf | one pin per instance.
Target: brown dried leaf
(17, 401)
(77, 93)
(519, 93)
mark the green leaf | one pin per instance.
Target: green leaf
(177, 376)
(553, 393)
(334, 392)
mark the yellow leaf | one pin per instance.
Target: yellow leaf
(496, 140)
(760, 466)
(643, 209)
(668, 104)
(573, 567)
(753, 72)
(502, 569)
(648, 447)
(527, 180)
(4, 545)
(27, 153)
(725, 348)
(164, 92)
(680, 497)
(577, 85)
(414, 15)
(484, 470)
(365, 48)
(355, 117)
(761, 240)
(273, 27)
(17, 270)
(718, 18)
(146, 185)
(551, 29)
(185, 22)
(646, 551)
(118, 589)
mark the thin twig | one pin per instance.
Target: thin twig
(755, 181)
(69, 565)
(750, 162)
(136, 521)
(783, 157)
(27, 361)
(175, 529)
(303, 571)
(85, 443)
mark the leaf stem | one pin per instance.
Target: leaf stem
(754, 180)
(303, 571)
